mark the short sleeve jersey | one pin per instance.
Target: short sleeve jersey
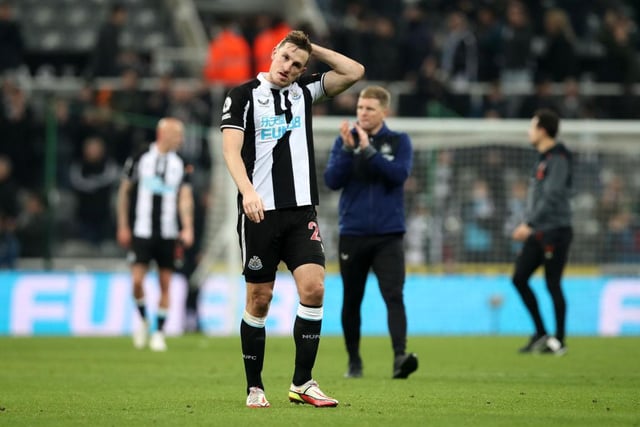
(156, 179)
(277, 151)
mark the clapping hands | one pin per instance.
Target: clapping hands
(347, 136)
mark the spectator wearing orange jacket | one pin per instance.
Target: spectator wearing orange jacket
(229, 58)
(265, 40)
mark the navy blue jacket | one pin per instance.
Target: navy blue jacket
(372, 181)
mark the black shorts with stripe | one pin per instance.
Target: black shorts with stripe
(290, 235)
(160, 250)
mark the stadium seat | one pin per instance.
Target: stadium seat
(73, 24)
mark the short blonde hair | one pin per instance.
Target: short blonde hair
(377, 92)
(297, 38)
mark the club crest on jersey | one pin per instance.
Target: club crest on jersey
(386, 152)
(295, 95)
(255, 263)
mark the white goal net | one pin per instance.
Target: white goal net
(466, 192)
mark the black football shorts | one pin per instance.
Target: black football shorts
(289, 235)
(160, 250)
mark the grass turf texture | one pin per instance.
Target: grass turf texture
(479, 381)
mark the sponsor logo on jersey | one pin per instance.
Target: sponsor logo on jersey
(274, 127)
(156, 185)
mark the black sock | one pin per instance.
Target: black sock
(306, 334)
(141, 309)
(162, 318)
(253, 342)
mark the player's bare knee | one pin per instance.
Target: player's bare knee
(312, 294)
(258, 303)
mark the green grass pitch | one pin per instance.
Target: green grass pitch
(462, 381)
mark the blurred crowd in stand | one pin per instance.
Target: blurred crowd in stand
(466, 206)
(439, 48)
(526, 54)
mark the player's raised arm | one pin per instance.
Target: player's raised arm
(344, 70)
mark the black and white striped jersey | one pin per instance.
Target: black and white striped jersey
(278, 140)
(156, 179)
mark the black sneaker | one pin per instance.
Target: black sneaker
(554, 346)
(404, 365)
(536, 343)
(354, 370)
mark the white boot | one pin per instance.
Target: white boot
(157, 342)
(140, 335)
